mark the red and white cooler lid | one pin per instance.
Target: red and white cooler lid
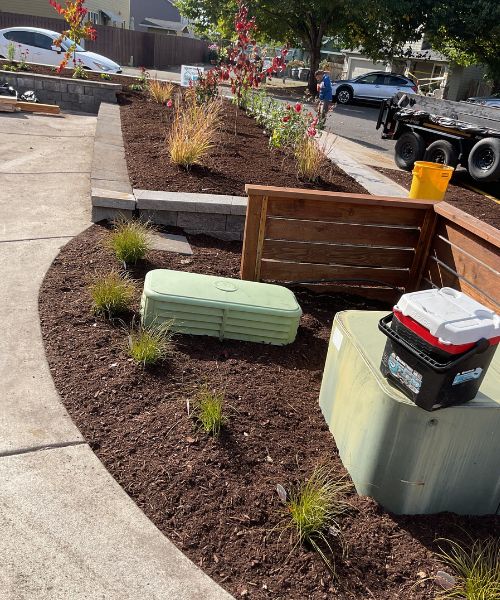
(450, 316)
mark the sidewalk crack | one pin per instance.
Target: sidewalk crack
(43, 447)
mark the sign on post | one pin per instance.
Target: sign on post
(189, 74)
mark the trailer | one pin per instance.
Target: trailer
(442, 131)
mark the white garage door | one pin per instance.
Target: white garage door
(360, 66)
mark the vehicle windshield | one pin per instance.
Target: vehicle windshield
(66, 44)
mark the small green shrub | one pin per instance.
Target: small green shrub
(112, 294)
(105, 76)
(313, 507)
(79, 72)
(130, 240)
(150, 345)
(476, 569)
(11, 52)
(208, 410)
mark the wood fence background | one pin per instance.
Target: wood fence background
(147, 49)
(376, 247)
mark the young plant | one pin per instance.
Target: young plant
(208, 411)
(160, 91)
(150, 345)
(105, 76)
(310, 159)
(141, 83)
(130, 241)
(476, 569)
(22, 63)
(112, 294)
(194, 131)
(313, 508)
(206, 86)
(79, 28)
(79, 72)
(11, 52)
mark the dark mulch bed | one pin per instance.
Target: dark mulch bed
(216, 500)
(68, 74)
(459, 195)
(235, 161)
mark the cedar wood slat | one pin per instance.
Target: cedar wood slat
(328, 232)
(292, 271)
(307, 252)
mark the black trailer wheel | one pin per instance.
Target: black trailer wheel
(410, 147)
(344, 95)
(484, 160)
(443, 152)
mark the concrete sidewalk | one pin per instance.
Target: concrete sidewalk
(67, 529)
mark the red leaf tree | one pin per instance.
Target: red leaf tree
(75, 15)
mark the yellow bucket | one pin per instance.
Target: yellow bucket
(430, 180)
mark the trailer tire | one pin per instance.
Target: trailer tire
(442, 152)
(410, 147)
(484, 160)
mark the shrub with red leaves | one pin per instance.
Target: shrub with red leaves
(75, 15)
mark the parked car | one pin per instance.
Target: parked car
(376, 86)
(40, 45)
(486, 101)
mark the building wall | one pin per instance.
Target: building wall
(155, 9)
(466, 81)
(42, 8)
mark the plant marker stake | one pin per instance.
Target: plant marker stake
(281, 492)
(446, 581)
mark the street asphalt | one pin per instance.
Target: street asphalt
(356, 122)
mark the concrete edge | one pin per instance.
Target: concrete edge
(111, 192)
(374, 182)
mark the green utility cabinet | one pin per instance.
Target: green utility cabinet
(411, 461)
(220, 307)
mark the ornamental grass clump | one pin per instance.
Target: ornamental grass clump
(194, 130)
(313, 508)
(112, 294)
(130, 241)
(149, 345)
(476, 569)
(310, 159)
(160, 91)
(208, 411)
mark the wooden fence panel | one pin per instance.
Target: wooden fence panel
(465, 255)
(354, 243)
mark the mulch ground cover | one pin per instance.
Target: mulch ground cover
(68, 74)
(242, 155)
(216, 499)
(460, 195)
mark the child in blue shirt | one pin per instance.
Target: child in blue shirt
(325, 93)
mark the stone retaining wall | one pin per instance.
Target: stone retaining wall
(220, 216)
(69, 94)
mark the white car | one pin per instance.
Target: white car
(41, 49)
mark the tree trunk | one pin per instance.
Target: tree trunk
(315, 55)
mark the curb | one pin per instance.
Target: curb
(374, 182)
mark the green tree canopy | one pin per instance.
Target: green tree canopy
(381, 27)
(467, 32)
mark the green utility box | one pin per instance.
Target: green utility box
(220, 307)
(409, 460)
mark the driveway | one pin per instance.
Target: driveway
(67, 529)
